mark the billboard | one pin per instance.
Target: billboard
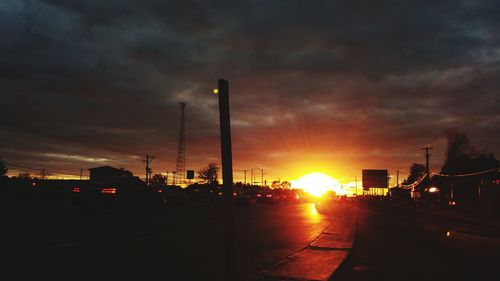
(375, 179)
(190, 174)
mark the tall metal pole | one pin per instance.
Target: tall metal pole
(227, 177)
(181, 148)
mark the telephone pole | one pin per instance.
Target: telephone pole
(81, 173)
(427, 156)
(252, 174)
(44, 174)
(397, 178)
(245, 172)
(148, 160)
(262, 177)
(227, 176)
(356, 184)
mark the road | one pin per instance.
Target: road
(401, 243)
(55, 240)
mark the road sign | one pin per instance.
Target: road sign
(415, 194)
(375, 179)
(190, 174)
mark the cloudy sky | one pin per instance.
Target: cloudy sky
(331, 86)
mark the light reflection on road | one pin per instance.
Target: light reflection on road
(314, 216)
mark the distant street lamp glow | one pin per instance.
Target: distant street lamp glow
(216, 91)
(433, 189)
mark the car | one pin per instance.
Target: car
(239, 199)
(265, 197)
(123, 194)
(172, 195)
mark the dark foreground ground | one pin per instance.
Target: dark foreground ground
(402, 243)
(47, 240)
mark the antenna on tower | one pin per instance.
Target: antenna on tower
(181, 146)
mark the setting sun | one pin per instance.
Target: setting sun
(317, 184)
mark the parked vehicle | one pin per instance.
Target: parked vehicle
(124, 194)
(265, 197)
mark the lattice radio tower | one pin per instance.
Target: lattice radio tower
(181, 149)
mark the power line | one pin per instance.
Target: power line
(43, 171)
(468, 175)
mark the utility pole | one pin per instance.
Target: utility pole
(427, 156)
(181, 148)
(148, 160)
(227, 176)
(356, 184)
(245, 172)
(262, 177)
(397, 178)
(252, 180)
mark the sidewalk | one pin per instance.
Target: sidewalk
(464, 227)
(318, 260)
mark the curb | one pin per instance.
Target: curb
(320, 259)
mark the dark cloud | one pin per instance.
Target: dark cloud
(355, 82)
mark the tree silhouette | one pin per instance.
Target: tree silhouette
(26, 176)
(416, 172)
(159, 179)
(209, 174)
(462, 157)
(3, 168)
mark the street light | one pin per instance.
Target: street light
(253, 175)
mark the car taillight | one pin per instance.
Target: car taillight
(108, 190)
(234, 193)
(76, 189)
(160, 190)
(269, 195)
(258, 195)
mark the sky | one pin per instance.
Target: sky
(326, 86)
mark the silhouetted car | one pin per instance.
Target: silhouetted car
(239, 199)
(118, 195)
(286, 196)
(172, 195)
(265, 197)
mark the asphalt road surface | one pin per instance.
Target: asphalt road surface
(401, 243)
(54, 240)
